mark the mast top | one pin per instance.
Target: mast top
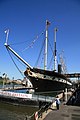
(47, 23)
(7, 34)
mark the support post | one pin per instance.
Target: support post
(66, 95)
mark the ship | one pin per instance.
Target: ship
(44, 80)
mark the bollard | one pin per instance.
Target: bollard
(36, 116)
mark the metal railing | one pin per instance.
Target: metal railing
(42, 98)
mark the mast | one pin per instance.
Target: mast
(46, 45)
(15, 53)
(55, 56)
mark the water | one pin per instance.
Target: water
(19, 91)
(15, 112)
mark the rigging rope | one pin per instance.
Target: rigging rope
(51, 47)
(32, 43)
(52, 54)
(50, 63)
(15, 64)
(18, 43)
(40, 53)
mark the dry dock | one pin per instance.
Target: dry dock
(64, 113)
(68, 111)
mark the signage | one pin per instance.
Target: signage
(14, 94)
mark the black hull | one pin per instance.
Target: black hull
(41, 85)
(45, 80)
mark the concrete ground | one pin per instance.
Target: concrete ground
(64, 113)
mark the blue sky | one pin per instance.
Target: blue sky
(26, 19)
